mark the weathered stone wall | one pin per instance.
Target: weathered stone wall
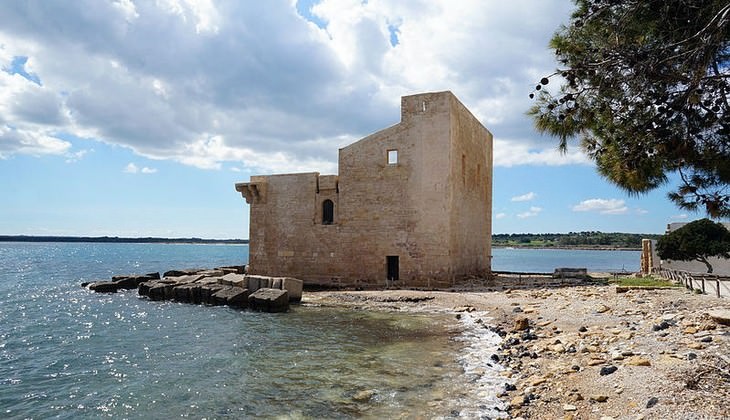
(471, 198)
(431, 209)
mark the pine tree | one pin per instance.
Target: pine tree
(645, 87)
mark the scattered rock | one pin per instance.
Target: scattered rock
(638, 361)
(599, 398)
(558, 348)
(521, 324)
(602, 308)
(536, 380)
(696, 346)
(582, 329)
(569, 407)
(607, 370)
(661, 326)
(652, 402)
(364, 396)
(518, 401)
(721, 316)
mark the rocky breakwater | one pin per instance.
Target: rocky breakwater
(220, 286)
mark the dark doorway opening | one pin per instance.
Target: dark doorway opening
(328, 212)
(392, 263)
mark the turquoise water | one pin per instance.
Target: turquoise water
(68, 353)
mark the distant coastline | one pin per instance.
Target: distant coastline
(569, 247)
(498, 242)
(116, 239)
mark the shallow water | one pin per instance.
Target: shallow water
(68, 353)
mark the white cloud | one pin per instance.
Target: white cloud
(641, 211)
(534, 211)
(524, 197)
(500, 216)
(131, 168)
(255, 85)
(602, 206)
(516, 152)
(73, 157)
(35, 143)
(127, 8)
(682, 216)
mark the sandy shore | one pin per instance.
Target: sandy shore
(588, 352)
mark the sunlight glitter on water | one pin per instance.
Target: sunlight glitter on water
(70, 353)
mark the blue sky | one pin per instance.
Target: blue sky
(136, 118)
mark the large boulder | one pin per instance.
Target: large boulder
(721, 316)
(183, 272)
(157, 292)
(187, 278)
(231, 296)
(294, 287)
(184, 292)
(211, 273)
(104, 286)
(232, 269)
(207, 291)
(232, 279)
(269, 300)
(253, 283)
(141, 277)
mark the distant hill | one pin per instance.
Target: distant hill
(115, 239)
(589, 239)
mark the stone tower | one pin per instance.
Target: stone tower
(411, 206)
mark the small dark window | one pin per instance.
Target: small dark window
(393, 270)
(328, 212)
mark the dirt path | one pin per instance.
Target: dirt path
(589, 352)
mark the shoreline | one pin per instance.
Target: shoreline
(587, 351)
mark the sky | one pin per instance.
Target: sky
(137, 117)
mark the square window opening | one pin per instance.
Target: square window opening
(392, 157)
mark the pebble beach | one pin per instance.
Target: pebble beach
(586, 352)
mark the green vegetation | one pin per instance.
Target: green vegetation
(644, 282)
(644, 86)
(572, 240)
(697, 241)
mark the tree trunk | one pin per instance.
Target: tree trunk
(704, 261)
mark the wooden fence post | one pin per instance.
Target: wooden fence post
(703, 284)
(718, 286)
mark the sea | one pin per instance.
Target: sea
(68, 353)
